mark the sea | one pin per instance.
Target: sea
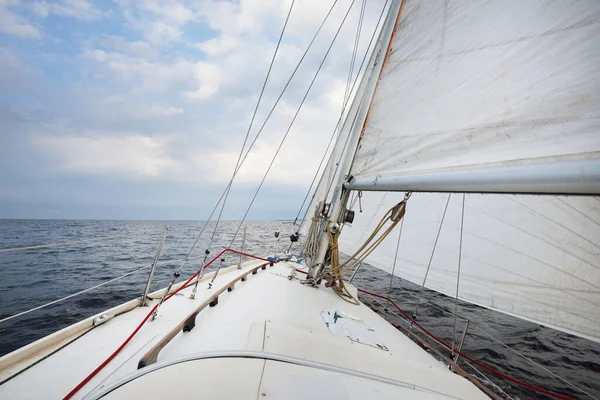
(30, 278)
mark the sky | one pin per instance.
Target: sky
(137, 109)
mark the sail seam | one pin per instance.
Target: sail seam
(502, 124)
(541, 284)
(374, 261)
(582, 24)
(557, 223)
(577, 211)
(482, 283)
(503, 221)
(514, 294)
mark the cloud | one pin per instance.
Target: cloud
(160, 111)
(14, 24)
(160, 21)
(129, 154)
(78, 9)
(137, 48)
(171, 11)
(162, 92)
(159, 32)
(208, 77)
(219, 45)
(145, 75)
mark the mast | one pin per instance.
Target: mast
(356, 120)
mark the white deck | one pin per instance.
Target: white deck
(267, 314)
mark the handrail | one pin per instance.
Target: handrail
(189, 322)
(260, 355)
(136, 330)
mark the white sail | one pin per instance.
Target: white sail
(471, 85)
(535, 257)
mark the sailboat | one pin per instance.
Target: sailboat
(472, 149)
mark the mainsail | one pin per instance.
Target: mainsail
(494, 96)
(490, 97)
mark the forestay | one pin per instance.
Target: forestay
(471, 85)
(535, 257)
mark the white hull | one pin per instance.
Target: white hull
(267, 337)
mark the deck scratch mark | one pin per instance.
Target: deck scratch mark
(262, 373)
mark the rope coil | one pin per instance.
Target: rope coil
(338, 286)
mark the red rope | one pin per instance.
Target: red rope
(118, 350)
(406, 315)
(484, 366)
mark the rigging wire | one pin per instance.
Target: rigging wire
(294, 118)
(237, 164)
(262, 91)
(396, 255)
(535, 363)
(288, 129)
(463, 355)
(432, 254)
(484, 376)
(388, 51)
(462, 222)
(337, 125)
(78, 293)
(258, 133)
(407, 325)
(346, 99)
(495, 339)
(355, 50)
(74, 294)
(141, 324)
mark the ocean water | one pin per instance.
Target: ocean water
(34, 277)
